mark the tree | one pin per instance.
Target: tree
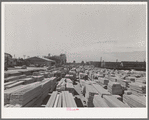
(74, 61)
(82, 63)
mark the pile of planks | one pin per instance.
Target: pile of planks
(13, 84)
(38, 78)
(27, 80)
(103, 81)
(70, 87)
(138, 88)
(83, 76)
(98, 101)
(141, 80)
(27, 96)
(44, 73)
(46, 84)
(69, 76)
(115, 88)
(132, 79)
(113, 101)
(101, 91)
(134, 101)
(13, 78)
(90, 91)
(62, 99)
(61, 85)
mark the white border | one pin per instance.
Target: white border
(62, 112)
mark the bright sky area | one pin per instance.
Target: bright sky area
(81, 31)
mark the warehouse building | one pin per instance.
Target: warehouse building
(40, 61)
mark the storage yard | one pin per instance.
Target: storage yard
(77, 86)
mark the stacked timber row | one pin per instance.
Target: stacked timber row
(89, 94)
(65, 84)
(29, 95)
(115, 88)
(134, 101)
(62, 99)
(137, 88)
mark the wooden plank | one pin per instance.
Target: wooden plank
(51, 101)
(59, 100)
(14, 84)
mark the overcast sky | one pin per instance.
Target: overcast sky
(82, 32)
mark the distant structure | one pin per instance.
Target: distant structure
(40, 61)
(60, 60)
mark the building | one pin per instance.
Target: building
(40, 61)
(59, 59)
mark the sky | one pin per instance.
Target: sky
(84, 32)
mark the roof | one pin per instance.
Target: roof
(49, 60)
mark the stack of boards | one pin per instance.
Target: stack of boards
(138, 88)
(90, 91)
(115, 88)
(65, 84)
(134, 101)
(62, 99)
(103, 81)
(28, 95)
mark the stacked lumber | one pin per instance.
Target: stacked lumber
(113, 101)
(68, 98)
(52, 99)
(53, 83)
(63, 99)
(138, 88)
(83, 76)
(61, 85)
(8, 92)
(98, 101)
(24, 96)
(8, 83)
(141, 80)
(14, 84)
(69, 76)
(46, 84)
(38, 78)
(45, 74)
(103, 81)
(70, 87)
(132, 79)
(35, 73)
(12, 78)
(101, 91)
(14, 73)
(27, 80)
(115, 88)
(90, 91)
(134, 101)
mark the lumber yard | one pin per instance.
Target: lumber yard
(77, 86)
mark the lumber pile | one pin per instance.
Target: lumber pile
(53, 83)
(8, 83)
(138, 88)
(115, 88)
(12, 78)
(114, 102)
(46, 84)
(69, 76)
(25, 95)
(70, 87)
(101, 91)
(38, 78)
(141, 80)
(98, 101)
(132, 79)
(61, 85)
(45, 74)
(83, 76)
(134, 101)
(90, 91)
(63, 99)
(14, 84)
(103, 81)
(27, 80)
(8, 92)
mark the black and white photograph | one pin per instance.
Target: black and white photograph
(74, 59)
